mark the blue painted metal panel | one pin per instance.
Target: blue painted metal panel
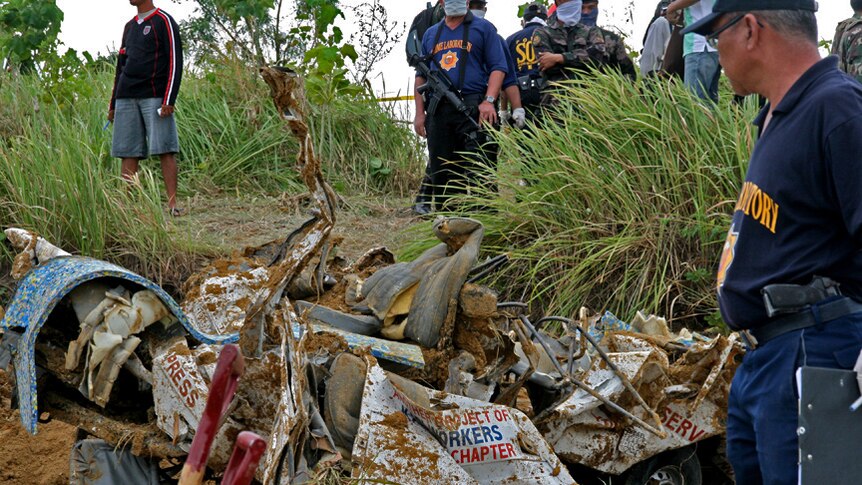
(41, 289)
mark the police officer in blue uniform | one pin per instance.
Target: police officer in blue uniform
(468, 51)
(520, 45)
(790, 277)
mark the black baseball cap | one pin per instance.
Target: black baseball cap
(704, 25)
(535, 10)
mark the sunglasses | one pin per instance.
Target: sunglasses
(712, 39)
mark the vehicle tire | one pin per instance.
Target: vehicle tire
(676, 467)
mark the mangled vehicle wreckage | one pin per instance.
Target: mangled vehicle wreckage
(385, 371)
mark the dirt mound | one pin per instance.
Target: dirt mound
(26, 459)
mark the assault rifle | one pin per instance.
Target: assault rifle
(437, 85)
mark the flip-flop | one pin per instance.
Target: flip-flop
(177, 212)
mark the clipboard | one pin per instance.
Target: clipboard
(830, 435)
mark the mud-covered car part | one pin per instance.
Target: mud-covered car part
(40, 290)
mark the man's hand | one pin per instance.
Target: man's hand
(519, 117)
(504, 115)
(419, 124)
(110, 115)
(167, 110)
(487, 113)
(548, 60)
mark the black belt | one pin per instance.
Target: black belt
(815, 315)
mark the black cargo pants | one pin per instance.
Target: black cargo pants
(458, 156)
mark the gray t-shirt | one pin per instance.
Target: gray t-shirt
(655, 46)
(142, 16)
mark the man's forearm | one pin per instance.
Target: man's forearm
(417, 98)
(680, 4)
(512, 95)
(495, 82)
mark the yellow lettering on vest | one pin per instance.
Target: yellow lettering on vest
(757, 205)
(774, 217)
(521, 50)
(526, 53)
(748, 197)
(452, 44)
(744, 198)
(766, 216)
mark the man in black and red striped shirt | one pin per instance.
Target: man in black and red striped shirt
(149, 71)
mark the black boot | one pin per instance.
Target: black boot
(422, 206)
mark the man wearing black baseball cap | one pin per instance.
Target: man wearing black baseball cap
(790, 276)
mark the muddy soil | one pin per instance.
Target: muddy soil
(40, 459)
(230, 222)
(25, 459)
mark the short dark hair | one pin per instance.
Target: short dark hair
(800, 24)
(480, 3)
(856, 5)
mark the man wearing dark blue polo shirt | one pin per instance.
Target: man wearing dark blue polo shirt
(468, 50)
(797, 223)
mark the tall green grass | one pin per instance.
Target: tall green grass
(628, 194)
(231, 136)
(57, 178)
(365, 143)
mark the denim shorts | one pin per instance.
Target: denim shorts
(139, 131)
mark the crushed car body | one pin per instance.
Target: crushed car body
(405, 371)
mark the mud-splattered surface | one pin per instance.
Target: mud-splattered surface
(231, 223)
(324, 343)
(235, 222)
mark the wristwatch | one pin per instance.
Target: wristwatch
(490, 99)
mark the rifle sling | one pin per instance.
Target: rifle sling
(468, 20)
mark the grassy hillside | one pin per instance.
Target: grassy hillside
(57, 176)
(619, 202)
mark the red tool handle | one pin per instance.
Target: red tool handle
(225, 380)
(244, 459)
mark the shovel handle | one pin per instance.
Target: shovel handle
(244, 459)
(225, 380)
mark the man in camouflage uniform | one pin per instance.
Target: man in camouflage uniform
(848, 42)
(566, 47)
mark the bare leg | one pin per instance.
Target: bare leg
(129, 168)
(169, 172)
